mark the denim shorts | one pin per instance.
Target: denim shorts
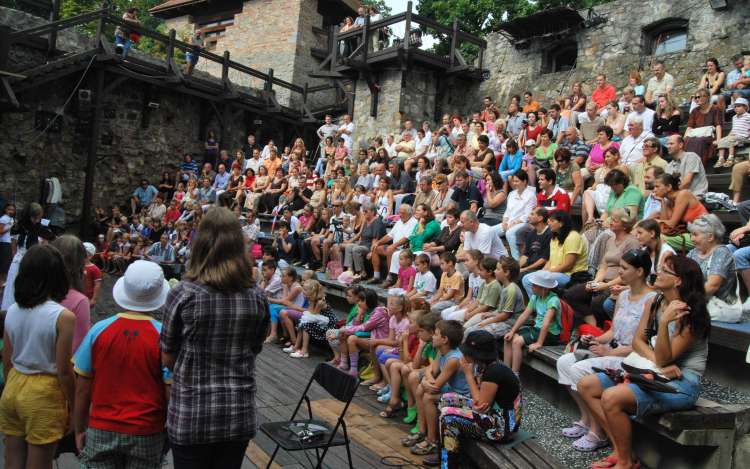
(191, 57)
(741, 256)
(653, 402)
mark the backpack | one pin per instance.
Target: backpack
(566, 320)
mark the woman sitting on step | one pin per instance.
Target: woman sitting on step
(672, 340)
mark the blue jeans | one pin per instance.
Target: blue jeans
(741, 256)
(504, 174)
(510, 236)
(561, 278)
(654, 402)
(124, 42)
(742, 93)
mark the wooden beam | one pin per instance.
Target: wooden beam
(53, 16)
(106, 52)
(454, 41)
(118, 81)
(217, 114)
(96, 120)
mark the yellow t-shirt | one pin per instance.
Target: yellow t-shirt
(410, 144)
(456, 282)
(574, 244)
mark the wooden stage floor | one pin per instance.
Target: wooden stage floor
(281, 380)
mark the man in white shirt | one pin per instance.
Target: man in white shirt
(346, 131)
(390, 146)
(267, 150)
(640, 110)
(400, 234)
(379, 171)
(631, 148)
(478, 236)
(662, 83)
(521, 202)
(291, 219)
(427, 132)
(255, 162)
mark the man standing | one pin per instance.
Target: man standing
(689, 165)
(552, 197)
(651, 152)
(195, 40)
(465, 196)
(400, 234)
(390, 146)
(631, 148)
(557, 123)
(515, 121)
(360, 20)
(346, 131)
(640, 110)
(401, 184)
(661, 84)
(250, 146)
(326, 130)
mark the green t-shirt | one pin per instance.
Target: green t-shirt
(489, 294)
(541, 305)
(631, 196)
(353, 314)
(511, 301)
(429, 352)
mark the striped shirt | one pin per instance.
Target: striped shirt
(741, 125)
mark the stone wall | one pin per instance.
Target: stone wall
(616, 48)
(269, 34)
(419, 105)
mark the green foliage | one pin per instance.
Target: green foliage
(380, 7)
(479, 17)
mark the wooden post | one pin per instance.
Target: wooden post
(454, 42)
(480, 60)
(269, 86)
(335, 51)
(407, 26)
(101, 29)
(96, 119)
(4, 47)
(225, 74)
(365, 37)
(54, 16)
(170, 49)
(304, 101)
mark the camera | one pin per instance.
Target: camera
(525, 121)
(337, 224)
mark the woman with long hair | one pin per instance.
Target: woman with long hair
(667, 118)
(568, 253)
(383, 197)
(6, 252)
(615, 120)
(713, 80)
(205, 428)
(597, 196)
(496, 201)
(37, 342)
(611, 347)
(191, 193)
(212, 148)
(166, 187)
(291, 294)
(705, 114)
(575, 102)
(75, 258)
(23, 236)
(673, 334)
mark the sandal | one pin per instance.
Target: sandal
(587, 443)
(719, 163)
(433, 460)
(413, 440)
(369, 382)
(729, 163)
(576, 431)
(335, 362)
(299, 355)
(611, 461)
(429, 447)
(395, 409)
(281, 341)
(376, 387)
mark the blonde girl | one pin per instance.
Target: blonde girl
(317, 326)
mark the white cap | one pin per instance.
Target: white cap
(90, 248)
(530, 142)
(142, 288)
(742, 101)
(544, 279)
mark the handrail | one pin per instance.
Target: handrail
(56, 25)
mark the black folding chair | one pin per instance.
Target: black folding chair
(302, 435)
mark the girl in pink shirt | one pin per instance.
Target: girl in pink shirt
(406, 274)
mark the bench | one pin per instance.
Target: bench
(733, 336)
(709, 426)
(528, 454)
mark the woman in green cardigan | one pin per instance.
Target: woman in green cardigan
(426, 230)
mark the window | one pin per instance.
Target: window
(561, 58)
(214, 30)
(667, 37)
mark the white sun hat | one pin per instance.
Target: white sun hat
(142, 288)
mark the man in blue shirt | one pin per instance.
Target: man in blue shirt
(222, 180)
(738, 83)
(207, 195)
(466, 196)
(515, 120)
(163, 251)
(360, 21)
(142, 197)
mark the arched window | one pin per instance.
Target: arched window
(561, 58)
(667, 37)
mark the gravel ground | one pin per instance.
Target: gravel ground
(721, 394)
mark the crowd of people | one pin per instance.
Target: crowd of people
(468, 227)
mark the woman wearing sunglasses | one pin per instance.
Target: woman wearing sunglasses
(673, 334)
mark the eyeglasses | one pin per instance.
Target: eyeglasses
(664, 270)
(648, 146)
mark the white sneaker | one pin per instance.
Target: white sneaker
(746, 306)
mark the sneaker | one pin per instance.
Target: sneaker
(373, 281)
(719, 163)
(289, 350)
(387, 284)
(385, 397)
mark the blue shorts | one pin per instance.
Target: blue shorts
(191, 57)
(384, 357)
(653, 402)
